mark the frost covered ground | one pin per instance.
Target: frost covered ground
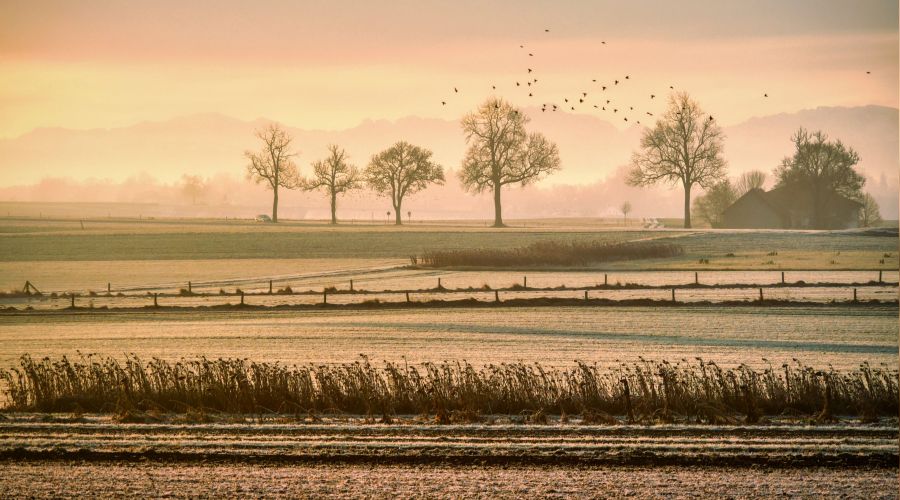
(116, 480)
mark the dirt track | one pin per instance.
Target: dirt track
(848, 445)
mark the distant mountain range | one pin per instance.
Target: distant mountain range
(592, 150)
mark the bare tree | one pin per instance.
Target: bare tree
(685, 146)
(869, 214)
(625, 208)
(748, 181)
(193, 187)
(400, 171)
(272, 165)
(501, 152)
(335, 175)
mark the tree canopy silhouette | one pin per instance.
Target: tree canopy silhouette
(822, 166)
(272, 164)
(501, 152)
(400, 171)
(685, 146)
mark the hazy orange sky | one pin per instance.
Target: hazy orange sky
(330, 65)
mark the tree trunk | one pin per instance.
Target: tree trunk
(687, 206)
(397, 217)
(333, 208)
(275, 204)
(498, 211)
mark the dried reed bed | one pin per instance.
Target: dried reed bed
(551, 253)
(700, 391)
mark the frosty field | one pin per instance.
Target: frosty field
(842, 336)
(183, 448)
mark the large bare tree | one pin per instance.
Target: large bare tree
(501, 152)
(272, 164)
(685, 146)
(400, 171)
(335, 175)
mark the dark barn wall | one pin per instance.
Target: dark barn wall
(751, 212)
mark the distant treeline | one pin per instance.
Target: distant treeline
(551, 253)
(644, 391)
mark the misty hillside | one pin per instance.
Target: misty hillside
(592, 152)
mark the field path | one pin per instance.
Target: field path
(411, 442)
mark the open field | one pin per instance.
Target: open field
(525, 451)
(54, 479)
(26, 241)
(843, 336)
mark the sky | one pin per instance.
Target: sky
(332, 65)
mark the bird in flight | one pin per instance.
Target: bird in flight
(455, 90)
(584, 94)
(765, 95)
(671, 87)
(530, 54)
(546, 31)
(604, 87)
(626, 77)
(443, 103)
(652, 96)
(529, 70)
(603, 42)
(868, 72)
(617, 82)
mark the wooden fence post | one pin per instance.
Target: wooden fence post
(155, 299)
(109, 288)
(270, 287)
(696, 278)
(760, 295)
(782, 277)
(585, 295)
(190, 290)
(496, 296)
(407, 297)
(242, 297)
(324, 297)
(351, 285)
(673, 295)
(525, 282)
(854, 295)
(605, 279)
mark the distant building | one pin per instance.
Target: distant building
(790, 207)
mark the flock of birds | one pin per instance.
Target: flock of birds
(598, 99)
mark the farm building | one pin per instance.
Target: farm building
(790, 207)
